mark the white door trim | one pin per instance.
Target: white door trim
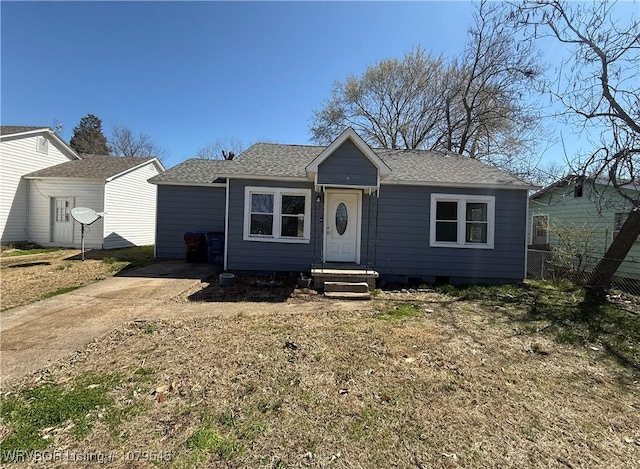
(358, 219)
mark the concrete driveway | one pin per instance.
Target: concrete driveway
(32, 336)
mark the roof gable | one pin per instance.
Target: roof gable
(348, 134)
(14, 132)
(96, 167)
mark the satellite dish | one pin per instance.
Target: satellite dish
(84, 216)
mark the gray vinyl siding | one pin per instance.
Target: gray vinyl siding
(403, 239)
(269, 256)
(347, 166)
(182, 209)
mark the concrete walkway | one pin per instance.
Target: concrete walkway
(33, 336)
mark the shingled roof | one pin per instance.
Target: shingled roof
(289, 162)
(18, 129)
(193, 171)
(96, 167)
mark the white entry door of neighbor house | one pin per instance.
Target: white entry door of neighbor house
(342, 226)
(62, 221)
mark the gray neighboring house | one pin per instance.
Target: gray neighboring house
(406, 215)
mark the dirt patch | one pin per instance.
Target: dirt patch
(442, 383)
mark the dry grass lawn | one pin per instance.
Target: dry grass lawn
(413, 380)
(28, 278)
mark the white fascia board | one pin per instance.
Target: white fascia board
(45, 130)
(26, 134)
(259, 177)
(189, 184)
(64, 179)
(115, 176)
(459, 185)
(64, 144)
(366, 150)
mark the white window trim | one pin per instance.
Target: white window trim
(533, 225)
(463, 200)
(277, 193)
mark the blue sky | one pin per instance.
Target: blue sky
(188, 73)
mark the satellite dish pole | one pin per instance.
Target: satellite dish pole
(84, 216)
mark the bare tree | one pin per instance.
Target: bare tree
(598, 90)
(393, 104)
(123, 142)
(476, 105)
(221, 149)
(488, 113)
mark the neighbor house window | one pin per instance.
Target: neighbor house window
(462, 221)
(618, 220)
(277, 214)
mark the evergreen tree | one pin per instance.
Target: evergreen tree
(88, 137)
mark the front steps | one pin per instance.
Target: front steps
(344, 281)
(347, 290)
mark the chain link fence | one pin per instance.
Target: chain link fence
(553, 266)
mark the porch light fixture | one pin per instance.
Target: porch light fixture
(319, 198)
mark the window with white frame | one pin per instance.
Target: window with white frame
(462, 221)
(277, 215)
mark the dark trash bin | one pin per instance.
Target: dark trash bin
(215, 247)
(195, 247)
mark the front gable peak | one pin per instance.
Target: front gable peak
(348, 135)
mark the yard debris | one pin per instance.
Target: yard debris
(160, 389)
(64, 379)
(290, 346)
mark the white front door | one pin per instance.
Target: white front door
(62, 221)
(342, 226)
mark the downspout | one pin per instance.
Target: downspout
(226, 224)
(28, 226)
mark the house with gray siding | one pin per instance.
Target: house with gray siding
(584, 214)
(402, 215)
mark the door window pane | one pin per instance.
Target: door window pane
(342, 218)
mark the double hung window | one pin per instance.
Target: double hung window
(277, 214)
(462, 221)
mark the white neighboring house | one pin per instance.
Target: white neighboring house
(23, 150)
(116, 186)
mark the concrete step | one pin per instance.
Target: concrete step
(321, 276)
(346, 295)
(353, 287)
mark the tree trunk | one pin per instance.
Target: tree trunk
(607, 267)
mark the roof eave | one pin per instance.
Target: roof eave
(189, 184)
(45, 130)
(122, 173)
(462, 185)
